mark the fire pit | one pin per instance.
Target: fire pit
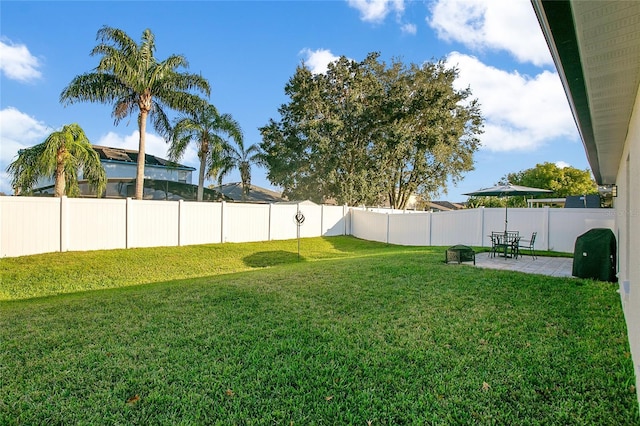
(460, 254)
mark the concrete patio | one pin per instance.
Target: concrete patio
(551, 266)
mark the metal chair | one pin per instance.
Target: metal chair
(496, 242)
(505, 242)
(528, 245)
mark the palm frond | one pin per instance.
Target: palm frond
(129, 76)
(68, 148)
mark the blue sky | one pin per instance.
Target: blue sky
(248, 50)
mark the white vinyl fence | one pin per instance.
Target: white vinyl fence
(557, 229)
(32, 225)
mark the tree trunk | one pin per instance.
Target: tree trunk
(142, 125)
(245, 177)
(203, 165)
(60, 183)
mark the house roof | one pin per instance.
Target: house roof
(594, 45)
(122, 155)
(444, 205)
(256, 193)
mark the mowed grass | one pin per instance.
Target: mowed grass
(355, 333)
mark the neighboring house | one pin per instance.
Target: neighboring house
(582, 202)
(443, 206)
(122, 163)
(164, 180)
(596, 48)
(233, 191)
(299, 203)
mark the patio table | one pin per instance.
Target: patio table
(505, 243)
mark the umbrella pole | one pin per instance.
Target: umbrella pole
(506, 216)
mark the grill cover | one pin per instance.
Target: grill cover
(594, 255)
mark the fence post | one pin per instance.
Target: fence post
(222, 233)
(344, 220)
(64, 224)
(180, 206)
(430, 227)
(127, 222)
(388, 226)
(270, 218)
(545, 225)
(482, 236)
(1, 206)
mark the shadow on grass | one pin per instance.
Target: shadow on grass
(263, 259)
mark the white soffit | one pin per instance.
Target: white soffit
(608, 35)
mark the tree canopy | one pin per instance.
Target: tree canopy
(210, 131)
(62, 155)
(563, 181)
(366, 132)
(129, 76)
(240, 158)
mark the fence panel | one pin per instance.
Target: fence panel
(566, 225)
(200, 223)
(29, 225)
(93, 224)
(457, 227)
(409, 229)
(369, 225)
(493, 221)
(283, 223)
(245, 222)
(32, 225)
(152, 223)
(312, 226)
(524, 220)
(334, 220)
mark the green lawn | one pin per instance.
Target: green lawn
(356, 332)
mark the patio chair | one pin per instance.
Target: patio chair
(496, 242)
(528, 245)
(504, 244)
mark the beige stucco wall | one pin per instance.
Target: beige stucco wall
(627, 207)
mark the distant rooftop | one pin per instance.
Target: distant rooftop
(122, 155)
(444, 205)
(256, 193)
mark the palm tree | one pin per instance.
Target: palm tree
(131, 78)
(208, 129)
(59, 157)
(241, 159)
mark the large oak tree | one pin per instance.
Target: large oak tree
(366, 132)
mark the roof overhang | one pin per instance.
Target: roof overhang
(596, 49)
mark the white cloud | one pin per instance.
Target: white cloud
(409, 29)
(376, 10)
(562, 164)
(318, 60)
(509, 25)
(17, 63)
(17, 131)
(521, 113)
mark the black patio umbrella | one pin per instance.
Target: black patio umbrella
(507, 190)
